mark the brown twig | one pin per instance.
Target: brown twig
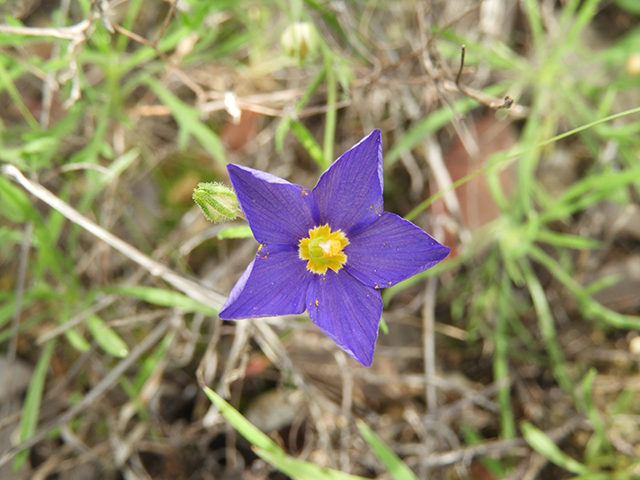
(463, 51)
(187, 286)
(218, 105)
(483, 98)
(64, 33)
(166, 21)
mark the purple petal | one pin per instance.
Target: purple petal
(347, 311)
(274, 283)
(277, 211)
(349, 193)
(391, 250)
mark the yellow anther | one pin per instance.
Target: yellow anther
(331, 248)
(323, 249)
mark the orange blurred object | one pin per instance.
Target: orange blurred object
(236, 135)
(477, 206)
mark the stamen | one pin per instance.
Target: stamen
(331, 248)
(323, 249)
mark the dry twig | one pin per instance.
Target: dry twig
(187, 286)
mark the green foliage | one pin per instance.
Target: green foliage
(125, 122)
(541, 443)
(391, 461)
(162, 297)
(235, 232)
(106, 337)
(32, 402)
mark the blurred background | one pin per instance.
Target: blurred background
(516, 358)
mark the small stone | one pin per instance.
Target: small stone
(634, 345)
(633, 64)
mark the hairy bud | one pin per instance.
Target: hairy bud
(299, 40)
(217, 201)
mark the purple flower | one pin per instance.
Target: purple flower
(328, 250)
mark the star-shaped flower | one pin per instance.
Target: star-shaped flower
(328, 250)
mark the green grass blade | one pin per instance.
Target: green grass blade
(309, 143)
(285, 123)
(7, 82)
(106, 337)
(501, 358)
(242, 425)
(164, 298)
(532, 9)
(542, 444)
(188, 119)
(6, 309)
(242, 231)
(598, 441)
(331, 116)
(76, 340)
(429, 124)
(588, 191)
(589, 307)
(268, 450)
(588, 10)
(384, 328)
(389, 459)
(152, 361)
(31, 409)
(547, 327)
(567, 240)
(281, 132)
(15, 203)
(299, 469)
(311, 88)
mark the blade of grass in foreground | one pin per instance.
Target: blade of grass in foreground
(501, 358)
(542, 444)
(242, 231)
(269, 451)
(309, 143)
(189, 120)
(32, 402)
(396, 467)
(106, 337)
(164, 298)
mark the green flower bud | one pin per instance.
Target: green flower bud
(299, 40)
(217, 201)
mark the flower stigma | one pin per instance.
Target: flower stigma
(323, 249)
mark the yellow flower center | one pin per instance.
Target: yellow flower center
(323, 249)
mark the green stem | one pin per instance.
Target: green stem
(5, 79)
(331, 116)
(547, 327)
(501, 360)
